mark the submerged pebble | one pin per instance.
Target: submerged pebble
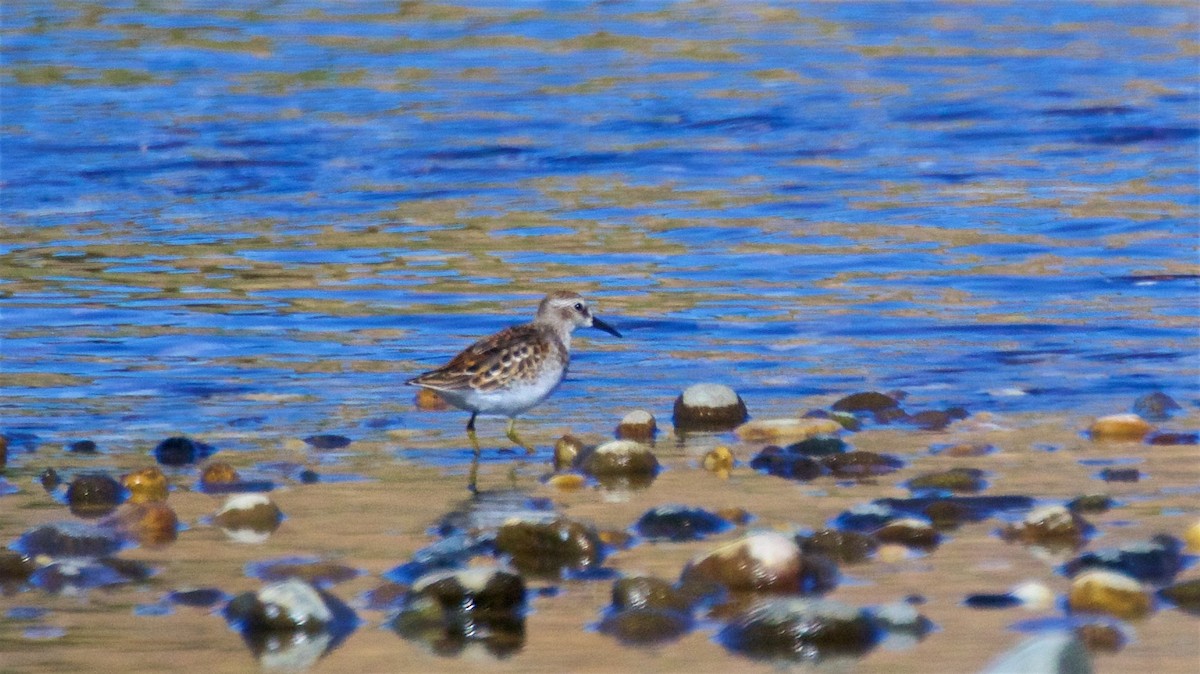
(150, 524)
(860, 465)
(718, 460)
(550, 548)
(566, 449)
(326, 441)
(800, 629)
(958, 480)
(1185, 595)
(1050, 526)
(1153, 561)
(708, 407)
(1156, 406)
(448, 611)
(868, 401)
(679, 523)
(785, 430)
(181, 451)
(848, 547)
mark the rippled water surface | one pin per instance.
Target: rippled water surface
(251, 223)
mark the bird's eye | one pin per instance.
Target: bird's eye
(579, 306)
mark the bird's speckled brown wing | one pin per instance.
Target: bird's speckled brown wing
(510, 356)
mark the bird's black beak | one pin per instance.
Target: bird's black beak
(597, 323)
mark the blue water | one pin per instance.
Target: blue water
(213, 214)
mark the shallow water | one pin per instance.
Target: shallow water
(250, 225)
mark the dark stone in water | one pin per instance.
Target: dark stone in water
(181, 451)
(870, 401)
(954, 480)
(1120, 475)
(15, 568)
(1156, 406)
(781, 463)
(82, 447)
(1185, 595)
(911, 533)
(646, 626)
(447, 611)
(677, 523)
(327, 441)
(206, 597)
(800, 629)
(858, 465)
(550, 548)
(991, 601)
(1156, 561)
(1174, 439)
(50, 479)
(817, 447)
(74, 575)
(973, 508)
(890, 414)
(645, 592)
(849, 547)
(1101, 638)
(1091, 503)
(308, 476)
(315, 572)
(930, 420)
(94, 495)
(68, 539)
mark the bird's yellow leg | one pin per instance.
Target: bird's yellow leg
(473, 476)
(512, 435)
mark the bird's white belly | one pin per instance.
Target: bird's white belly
(513, 400)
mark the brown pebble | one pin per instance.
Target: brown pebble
(565, 450)
(718, 459)
(150, 523)
(1128, 427)
(219, 472)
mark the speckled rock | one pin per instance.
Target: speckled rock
(959, 480)
(785, 430)
(147, 485)
(94, 495)
(708, 407)
(869, 401)
(680, 523)
(550, 548)
(50, 479)
(254, 514)
(848, 547)
(638, 425)
(151, 524)
(1052, 653)
(800, 629)
(1051, 526)
(1108, 592)
(449, 610)
(1156, 406)
(762, 561)
(1120, 427)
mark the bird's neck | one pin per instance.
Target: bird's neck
(563, 332)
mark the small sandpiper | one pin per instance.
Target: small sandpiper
(513, 370)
